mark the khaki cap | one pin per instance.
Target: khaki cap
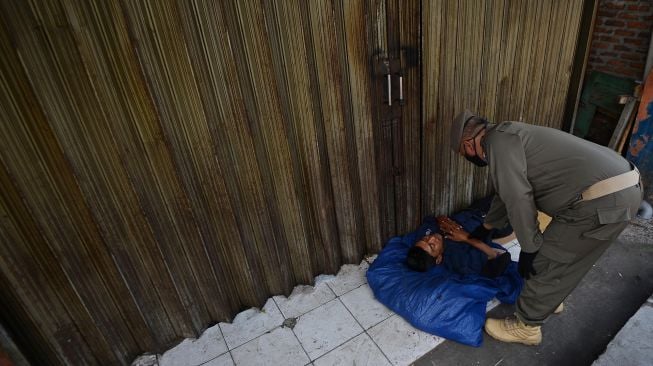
(458, 127)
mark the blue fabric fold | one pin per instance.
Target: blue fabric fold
(449, 300)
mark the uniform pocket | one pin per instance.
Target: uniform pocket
(612, 221)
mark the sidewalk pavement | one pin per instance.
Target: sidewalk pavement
(633, 345)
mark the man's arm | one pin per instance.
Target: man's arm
(455, 232)
(508, 170)
(497, 216)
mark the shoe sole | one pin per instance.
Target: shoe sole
(527, 343)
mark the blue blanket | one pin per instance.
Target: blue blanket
(449, 300)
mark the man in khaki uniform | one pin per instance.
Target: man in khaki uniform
(589, 190)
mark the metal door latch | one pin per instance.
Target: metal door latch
(389, 72)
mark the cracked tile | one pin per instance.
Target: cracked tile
(349, 277)
(279, 347)
(146, 360)
(251, 323)
(360, 350)
(193, 352)
(325, 328)
(364, 307)
(304, 299)
(401, 342)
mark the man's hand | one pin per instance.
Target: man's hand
(525, 266)
(452, 229)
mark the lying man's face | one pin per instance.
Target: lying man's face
(426, 253)
(431, 244)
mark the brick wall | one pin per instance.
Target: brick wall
(621, 37)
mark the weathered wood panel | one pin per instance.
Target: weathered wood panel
(506, 60)
(166, 164)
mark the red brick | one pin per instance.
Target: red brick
(615, 5)
(617, 63)
(600, 45)
(609, 54)
(628, 16)
(608, 13)
(616, 23)
(610, 39)
(637, 65)
(644, 35)
(624, 32)
(639, 7)
(603, 30)
(639, 25)
(635, 41)
(621, 48)
(633, 56)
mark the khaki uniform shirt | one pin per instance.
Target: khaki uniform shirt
(539, 168)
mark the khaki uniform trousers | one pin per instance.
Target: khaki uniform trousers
(574, 240)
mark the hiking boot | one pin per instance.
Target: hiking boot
(559, 309)
(513, 330)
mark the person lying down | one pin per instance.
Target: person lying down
(463, 254)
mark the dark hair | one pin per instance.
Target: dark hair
(419, 260)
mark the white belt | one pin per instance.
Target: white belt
(611, 185)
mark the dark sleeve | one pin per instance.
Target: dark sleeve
(508, 170)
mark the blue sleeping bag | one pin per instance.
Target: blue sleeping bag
(450, 299)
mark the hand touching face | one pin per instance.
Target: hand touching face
(452, 229)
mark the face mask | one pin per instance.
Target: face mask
(476, 160)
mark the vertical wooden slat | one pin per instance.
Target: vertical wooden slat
(433, 24)
(551, 69)
(34, 288)
(264, 230)
(244, 232)
(98, 29)
(543, 32)
(53, 195)
(492, 52)
(470, 25)
(330, 70)
(290, 57)
(508, 65)
(271, 141)
(164, 57)
(491, 57)
(358, 58)
(324, 194)
(523, 56)
(445, 171)
(563, 78)
(408, 185)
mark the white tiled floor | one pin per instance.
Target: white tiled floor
(337, 322)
